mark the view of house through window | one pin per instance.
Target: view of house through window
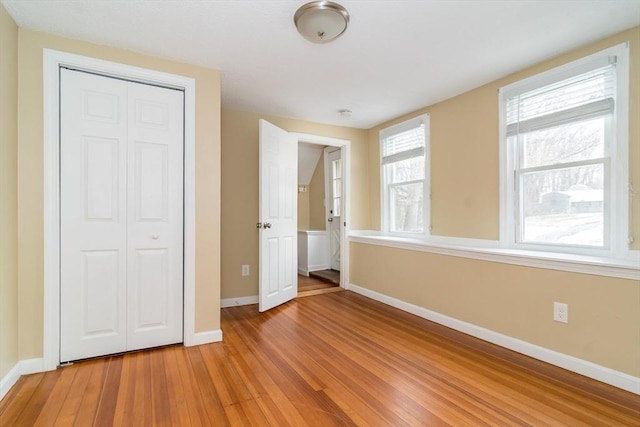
(403, 152)
(561, 139)
(563, 194)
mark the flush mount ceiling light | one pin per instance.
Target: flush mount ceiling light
(321, 21)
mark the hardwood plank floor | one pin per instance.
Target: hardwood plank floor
(309, 286)
(332, 359)
(329, 276)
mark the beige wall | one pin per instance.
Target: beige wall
(316, 197)
(303, 210)
(30, 177)
(604, 313)
(516, 301)
(464, 151)
(240, 190)
(8, 193)
(311, 202)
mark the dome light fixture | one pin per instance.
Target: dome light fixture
(321, 21)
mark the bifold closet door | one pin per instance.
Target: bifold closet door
(121, 210)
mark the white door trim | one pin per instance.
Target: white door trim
(345, 154)
(52, 60)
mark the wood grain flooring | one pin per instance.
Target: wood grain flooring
(329, 276)
(310, 286)
(333, 359)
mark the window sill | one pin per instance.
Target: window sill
(489, 250)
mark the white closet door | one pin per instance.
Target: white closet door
(155, 210)
(121, 216)
(93, 213)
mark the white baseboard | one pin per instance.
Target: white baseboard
(312, 268)
(23, 367)
(235, 302)
(9, 380)
(583, 367)
(31, 366)
(318, 267)
(205, 337)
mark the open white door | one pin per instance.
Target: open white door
(333, 203)
(278, 210)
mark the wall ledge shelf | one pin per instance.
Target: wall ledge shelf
(490, 250)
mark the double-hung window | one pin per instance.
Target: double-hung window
(564, 156)
(404, 176)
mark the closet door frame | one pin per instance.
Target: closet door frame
(52, 61)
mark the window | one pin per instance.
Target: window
(336, 174)
(404, 173)
(564, 161)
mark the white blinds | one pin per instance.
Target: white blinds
(403, 145)
(584, 96)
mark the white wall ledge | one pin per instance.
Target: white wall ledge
(490, 250)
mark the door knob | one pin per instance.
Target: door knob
(330, 219)
(267, 225)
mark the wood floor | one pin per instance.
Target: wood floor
(329, 276)
(333, 359)
(310, 286)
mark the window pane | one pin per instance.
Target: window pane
(406, 170)
(573, 92)
(337, 207)
(337, 188)
(405, 210)
(337, 168)
(404, 141)
(564, 206)
(567, 143)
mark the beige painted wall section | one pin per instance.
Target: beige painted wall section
(8, 193)
(604, 313)
(240, 190)
(316, 197)
(516, 301)
(311, 202)
(303, 210)
(30, 178)
(464, 151)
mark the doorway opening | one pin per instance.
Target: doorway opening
(280, 246)
(320, 224)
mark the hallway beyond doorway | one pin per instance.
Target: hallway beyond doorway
(310, 285)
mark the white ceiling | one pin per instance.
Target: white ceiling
(396, 56)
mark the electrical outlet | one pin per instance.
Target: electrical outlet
(245, 269)
(560, 312)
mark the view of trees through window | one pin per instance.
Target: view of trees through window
(406, 193)
(561, 169)
(404, 171)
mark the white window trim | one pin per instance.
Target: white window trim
(384, 193)
(619, 214)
